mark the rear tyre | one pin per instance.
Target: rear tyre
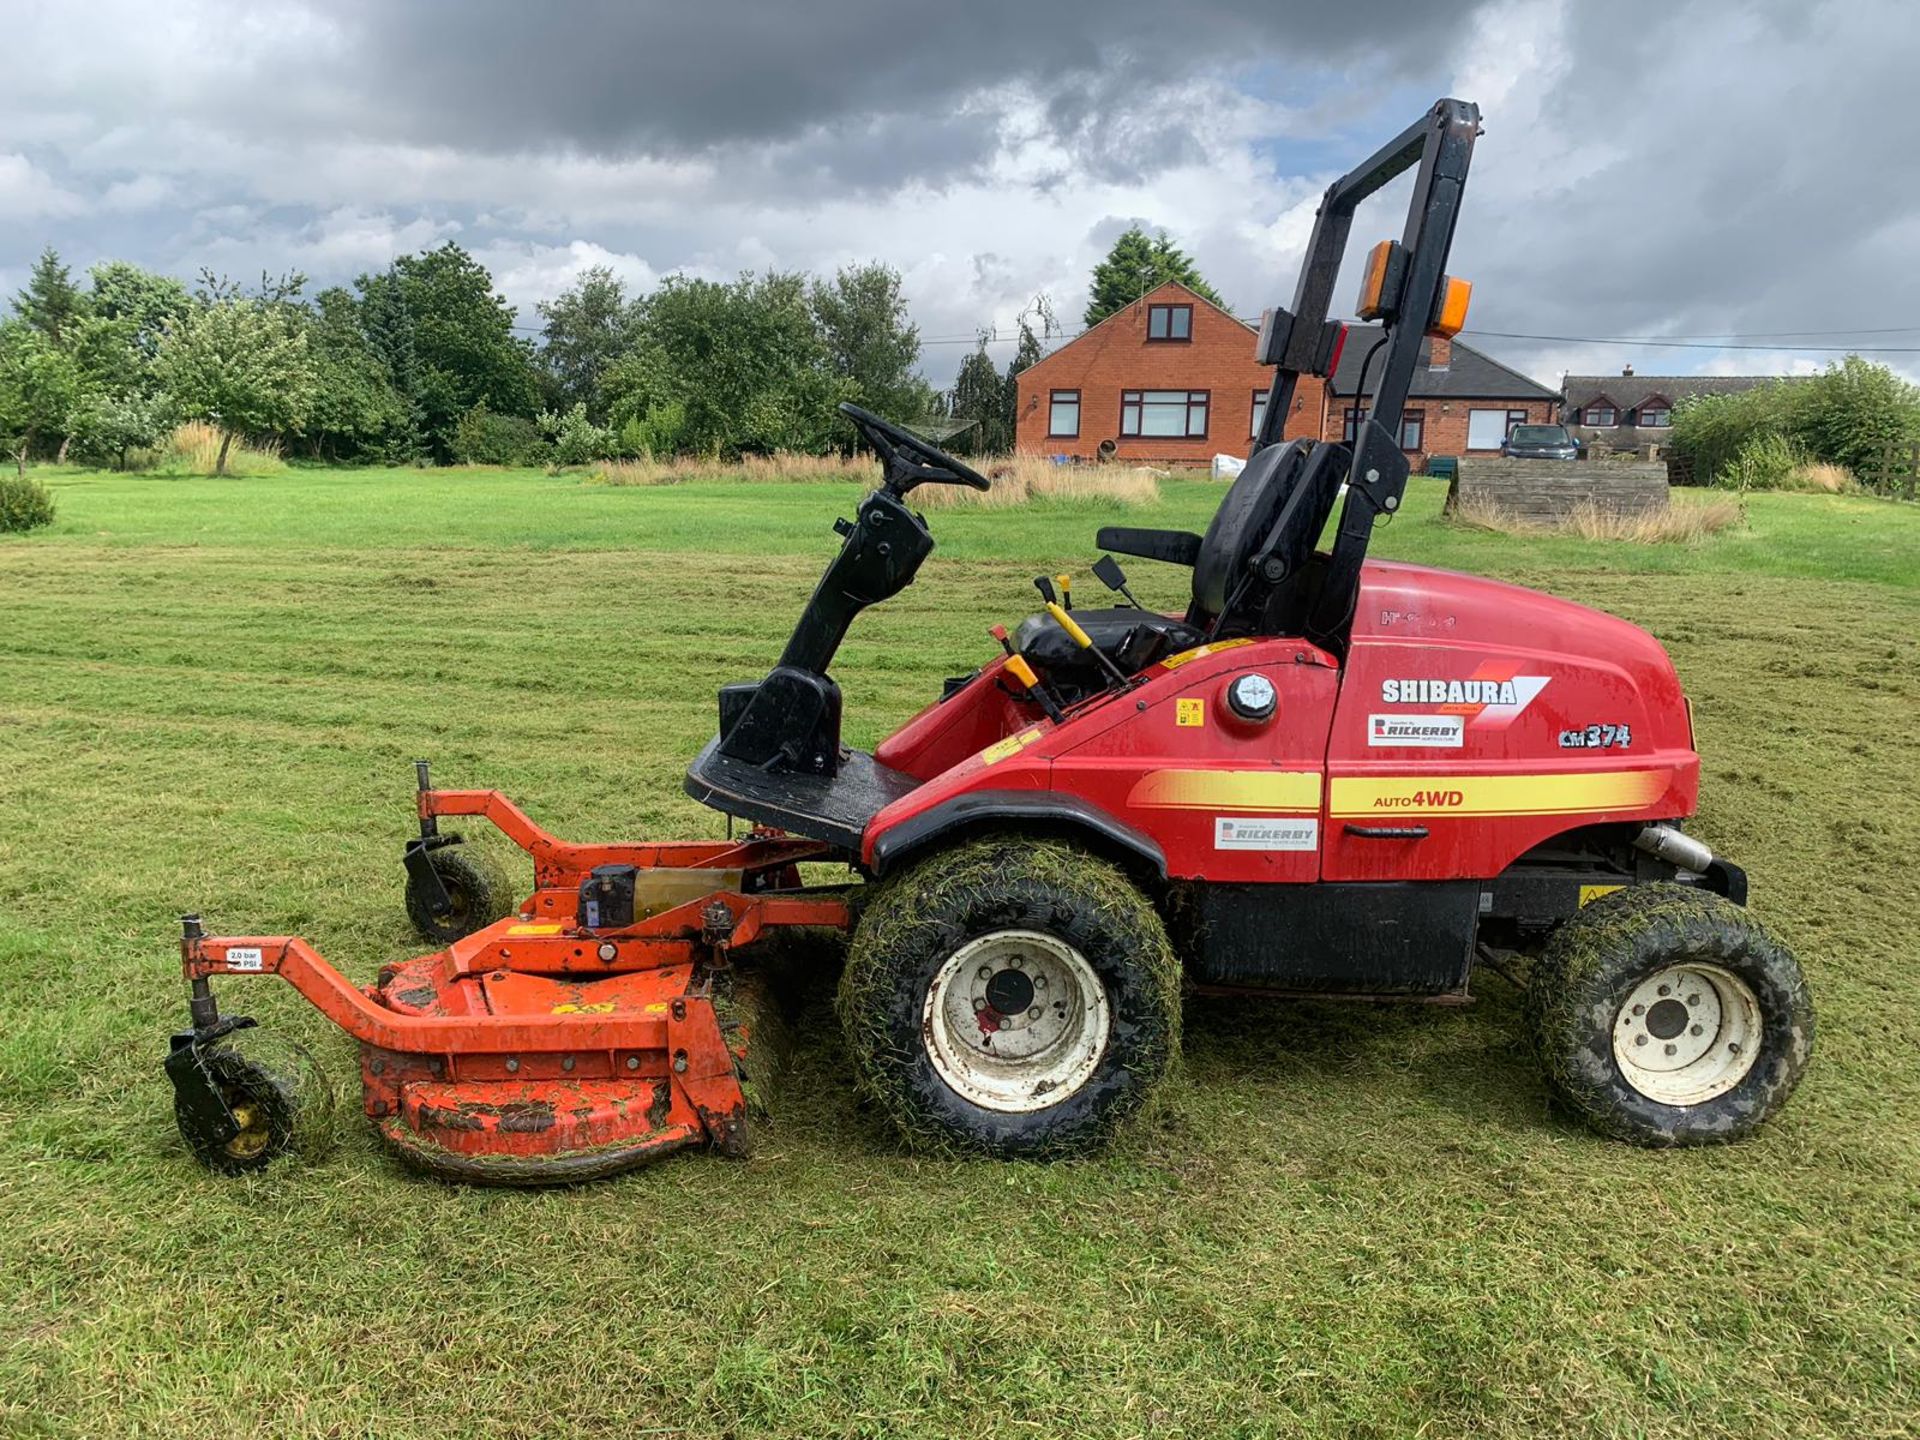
(1664, 1015)
(476, 893)
(278, 1094)
(1010, 997)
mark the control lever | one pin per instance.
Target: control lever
(1065, 582)
(1108, 572)
(1085, 641)
(1021, 670)
(1045, 587)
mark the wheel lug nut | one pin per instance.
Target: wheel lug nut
(1039, 982)
(1670, 1049)
(1693, 999)
(1695, 1030)
(1017, 963)
(1639, 1009)
(1666, 990)
(986, 972)
(1005, 1023)
(1639, 1039)
(1034, 1013)
(979, 1003)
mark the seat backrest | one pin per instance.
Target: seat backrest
(1245, 515)
(1272, 529)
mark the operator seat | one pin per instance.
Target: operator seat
(1266, 526)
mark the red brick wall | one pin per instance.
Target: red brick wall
(1444, 427)
(1116, 356)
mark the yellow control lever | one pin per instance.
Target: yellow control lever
(1065, 582)
(1067, 623)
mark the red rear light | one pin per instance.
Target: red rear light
(1333, 361)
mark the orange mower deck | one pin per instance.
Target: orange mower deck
(538, 1050)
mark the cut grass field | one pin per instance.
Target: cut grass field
(1349, 1221)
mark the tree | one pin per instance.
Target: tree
(448, 343)
(1027, 351)
(239, 364)
(743, 362)
(143, 300)
(356, 410)
(1136, 264)
(979, 395)
(51, 303)
(870, 342)
(39, 389)
(589, 326)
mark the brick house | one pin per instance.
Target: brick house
(1627, 411)
(1171, 379)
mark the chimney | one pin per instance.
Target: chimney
(1626, 370)
(1440, 354)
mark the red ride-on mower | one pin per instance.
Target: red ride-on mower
(1328, 777)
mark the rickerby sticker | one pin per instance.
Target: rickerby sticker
(1242, 832)
(1429, 732)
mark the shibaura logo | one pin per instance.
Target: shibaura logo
(1416, 732)
(1488, 699)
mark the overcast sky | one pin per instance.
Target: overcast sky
(1648, 169)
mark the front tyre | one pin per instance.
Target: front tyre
(1011, 997)
(1665, 1015)
(476, 897)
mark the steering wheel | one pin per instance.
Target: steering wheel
(907, 459)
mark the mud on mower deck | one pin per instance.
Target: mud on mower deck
(600, 1026)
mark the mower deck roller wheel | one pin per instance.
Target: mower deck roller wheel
(1012, 997)
(1665, 1015)
(279, 1096)
(478, 896)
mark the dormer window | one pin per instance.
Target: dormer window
(1600, 414)
(1170, 323)
(1656, 411)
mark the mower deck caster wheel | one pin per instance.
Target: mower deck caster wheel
(476, 894)
(1664, 1015)
(280, 1105)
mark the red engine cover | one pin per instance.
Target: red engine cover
(1473, 719)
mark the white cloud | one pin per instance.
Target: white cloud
(27, 192)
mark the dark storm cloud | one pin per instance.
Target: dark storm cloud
(609, 77)
(1674, 168)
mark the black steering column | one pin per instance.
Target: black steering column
(790, 721)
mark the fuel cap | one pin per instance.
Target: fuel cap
(1253, 697)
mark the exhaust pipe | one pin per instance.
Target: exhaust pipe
(1668, 844)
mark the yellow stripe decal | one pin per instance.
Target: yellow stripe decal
(1570, 793)
(1264, 790)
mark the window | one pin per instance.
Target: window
(1486, 429)
(1170, 413)
(1259, 414)
(1656, 411)
(1413, 426)
(1170, 322)
(1063, 415)
(1514, 417)
(1601, 413)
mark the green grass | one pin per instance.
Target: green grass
(1350, 1221)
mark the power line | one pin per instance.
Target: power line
(1699, 344)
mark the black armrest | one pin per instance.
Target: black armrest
(1176, 547)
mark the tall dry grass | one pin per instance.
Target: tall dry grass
(194, 449)
(1017, 480)
(782, 467)
(1023, 479)
(1679, 524)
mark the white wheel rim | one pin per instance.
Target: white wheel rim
(1015, 1021)
(1687, 1033)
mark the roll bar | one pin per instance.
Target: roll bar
(1440, 143)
